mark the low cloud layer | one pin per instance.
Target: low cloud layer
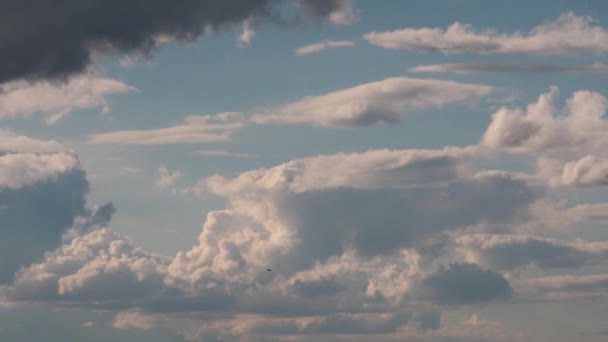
(508, 252)
(568, 34)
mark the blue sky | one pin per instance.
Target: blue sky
(429, 171)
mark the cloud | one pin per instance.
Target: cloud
(223, 153)
(318, 47)
(56, 100)
(508, 252)
(569, 144)
(568, 34)
(465, 68)
(51, 51)
(386, 101)
(348, 252)
(247, 34)
(42, 196)
(25, 169)
(12, 142)
(99, 266)
(465, 283)
(565, 287)
(195, 129)
(167, 178)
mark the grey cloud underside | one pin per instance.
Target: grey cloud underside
(35, 214)
(466, 284)
(67, 33)
(34, 218)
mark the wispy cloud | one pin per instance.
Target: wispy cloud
(465, 68)
(568, 34)
(194, 129)
(318, 47)
(223, 153)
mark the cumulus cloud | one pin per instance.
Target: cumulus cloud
(569, 144)
(508, 252)
(195, 129)
(56, 100)
(99, 266)
(348, 252)
(465, 68)
(568, 34)
(41, 198)
(386, 101)
(318, 47)
(91, 28)
(465, 283)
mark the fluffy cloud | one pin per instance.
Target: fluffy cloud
(41, 197)
(195, 129)
(56, 100)
(100, 266)
(386, 101)
(318, 47)
(465, 68)
(507, 252)
(569, 144)
(568, 34)
(90, 28)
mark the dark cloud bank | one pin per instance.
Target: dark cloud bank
(46, 39)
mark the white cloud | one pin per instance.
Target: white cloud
(12, 142)
(318, 47)
(568, 34)
(23, 169)
(223, 153)
(386, 101)
(99, 266)
(465, 68)
(56, 100)
(195, 129)
(569, 144)
(247, 34)
(167, 178)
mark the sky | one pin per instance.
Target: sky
(303, 170)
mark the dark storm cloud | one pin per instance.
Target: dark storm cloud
(465, 283)
(47, 39)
